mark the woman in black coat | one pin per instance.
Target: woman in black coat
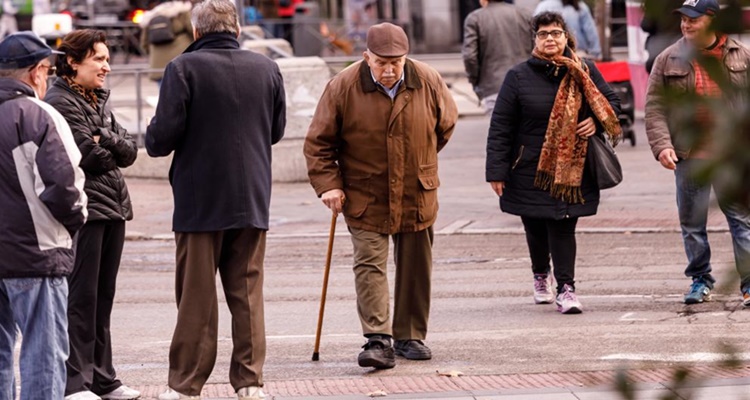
(79, 95)
(547, 108)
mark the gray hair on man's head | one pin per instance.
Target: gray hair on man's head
(16, 74)
(215, 16)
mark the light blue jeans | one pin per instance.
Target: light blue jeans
(692, 206)
(38, 308)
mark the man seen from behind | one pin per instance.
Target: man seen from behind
(220, 111)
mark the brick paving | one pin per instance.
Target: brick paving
(405, 385)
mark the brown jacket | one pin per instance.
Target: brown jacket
(673, 69)
(382, 152)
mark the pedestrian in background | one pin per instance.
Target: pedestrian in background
(42, 206)
(580, 22)
(79, 95)
(547, 109)
(8, 23)
(221, 109)
(676, 69)
(496, 37)
(371, 153)
(662, 24)
(166, 32)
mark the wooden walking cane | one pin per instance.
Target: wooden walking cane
(316, 355)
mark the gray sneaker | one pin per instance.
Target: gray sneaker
(542, 289)
(567, 301)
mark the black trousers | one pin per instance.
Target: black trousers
(556, 238)
(90, 298)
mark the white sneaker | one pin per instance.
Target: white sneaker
(122, 393)
(251, 393)
(567, 302)
(543, 289)
(84, 395)
(171, 394)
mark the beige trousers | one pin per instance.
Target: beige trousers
(412, 253)
(238, 256)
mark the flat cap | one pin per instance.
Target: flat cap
(387, 40)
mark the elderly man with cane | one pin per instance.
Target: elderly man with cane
(372, 154)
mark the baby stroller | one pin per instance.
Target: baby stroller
(617, 74)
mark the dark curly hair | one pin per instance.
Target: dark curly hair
(78, 45)
(553, 18)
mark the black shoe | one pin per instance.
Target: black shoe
(412, 350)
(377, 353)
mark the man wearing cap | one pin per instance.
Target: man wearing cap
(677, 70)
(371, 153)
(42, 205)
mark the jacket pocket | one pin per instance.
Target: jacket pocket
(676, 76)
(429, 182)
(357, 190)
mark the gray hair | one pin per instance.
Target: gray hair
(16, 74)
(215, 16)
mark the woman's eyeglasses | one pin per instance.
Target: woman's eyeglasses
(556, 34)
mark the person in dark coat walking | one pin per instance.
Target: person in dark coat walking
(547, 109)
(42, 206)
(221, 110)
(79, 95)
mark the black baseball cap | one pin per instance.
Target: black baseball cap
(23, 49)
(698, 8)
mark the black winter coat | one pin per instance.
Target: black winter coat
(101, 162)
(517, 128)
(220, 111)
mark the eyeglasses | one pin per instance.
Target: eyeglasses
(51, 69)
(556, 34)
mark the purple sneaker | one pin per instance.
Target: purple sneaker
(567, 302)
(542, 291)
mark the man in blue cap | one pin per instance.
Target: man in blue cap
(677, 70)
(42, 206)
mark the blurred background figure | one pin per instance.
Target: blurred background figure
(496, 37)
(166, 31)
(8, 22)
(580, 23)
(662, 25)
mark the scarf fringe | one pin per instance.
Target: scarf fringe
(567, 193)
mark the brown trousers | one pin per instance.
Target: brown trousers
(412, 253)
(238, 256)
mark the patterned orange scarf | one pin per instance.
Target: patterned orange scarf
(560, 168)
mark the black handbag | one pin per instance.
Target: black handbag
(603, 162)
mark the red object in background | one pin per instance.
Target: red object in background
(289, 10)
(614, 71)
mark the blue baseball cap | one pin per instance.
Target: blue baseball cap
(698, 8)
(23, 49)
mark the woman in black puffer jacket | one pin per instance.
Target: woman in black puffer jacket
(79, 95)
(547, 108)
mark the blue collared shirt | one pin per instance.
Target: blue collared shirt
(392, 91)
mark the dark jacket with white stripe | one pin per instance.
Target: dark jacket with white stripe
(42, 202)
(108, 194)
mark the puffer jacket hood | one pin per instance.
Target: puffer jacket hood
(105, 185)
(169, 9)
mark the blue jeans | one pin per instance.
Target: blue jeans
(38, 307)
(692, 206)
